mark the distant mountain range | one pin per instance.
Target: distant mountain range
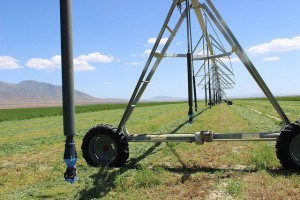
(33, 92)
(36, 94)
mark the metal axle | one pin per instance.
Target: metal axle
(204, 136)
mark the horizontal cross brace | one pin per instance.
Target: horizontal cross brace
(195, 57)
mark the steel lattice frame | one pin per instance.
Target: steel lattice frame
(211, 73)
(217, 75)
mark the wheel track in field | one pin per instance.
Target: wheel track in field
(261, 113)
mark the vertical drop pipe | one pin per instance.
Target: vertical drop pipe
(70, 155)
(205, 75)
(205, 87)
(209, 85)
(205, 94)
(189, 64)
(195, 90)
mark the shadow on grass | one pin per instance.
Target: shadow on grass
(282, 172)
(104, 180)
(187, 121)
(187, 171)
(222, 172)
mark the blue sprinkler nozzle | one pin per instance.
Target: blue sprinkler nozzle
(70, 158)
(71, 173)
(191, 118)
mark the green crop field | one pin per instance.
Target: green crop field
(28, 113)
(31, 151)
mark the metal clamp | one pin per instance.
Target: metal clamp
(204, 136)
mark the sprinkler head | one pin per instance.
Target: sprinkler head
(191, 117)
(71, 174)
(70, 158)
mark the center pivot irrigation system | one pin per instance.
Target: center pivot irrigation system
(105, 145)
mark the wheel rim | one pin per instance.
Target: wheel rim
(295, 149)
(103, 149)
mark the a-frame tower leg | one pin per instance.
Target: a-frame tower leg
(229, 36)
(142, 84)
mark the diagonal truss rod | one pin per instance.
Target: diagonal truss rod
(199, 15)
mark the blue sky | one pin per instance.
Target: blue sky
(111, 40)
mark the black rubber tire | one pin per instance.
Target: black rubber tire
(229, 103)
(116, 137)
(284, 141)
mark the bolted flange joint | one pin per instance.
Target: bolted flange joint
(204, 136)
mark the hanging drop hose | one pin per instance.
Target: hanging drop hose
(195, 91)
(70, 155)
(189, 64)
(192, 63)
(208, 71)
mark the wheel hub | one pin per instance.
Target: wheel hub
(295, 149)
(103, 149)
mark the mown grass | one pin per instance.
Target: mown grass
(234, 188)
(31, 165)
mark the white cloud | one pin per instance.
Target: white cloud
(96, 58)
(178, 43)
(147, 51)
(47, 64)
(81, 63)
(271, 59)
(163, 41)
(232, 60)
(277, 45)
(7, 62)
(132, 63)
